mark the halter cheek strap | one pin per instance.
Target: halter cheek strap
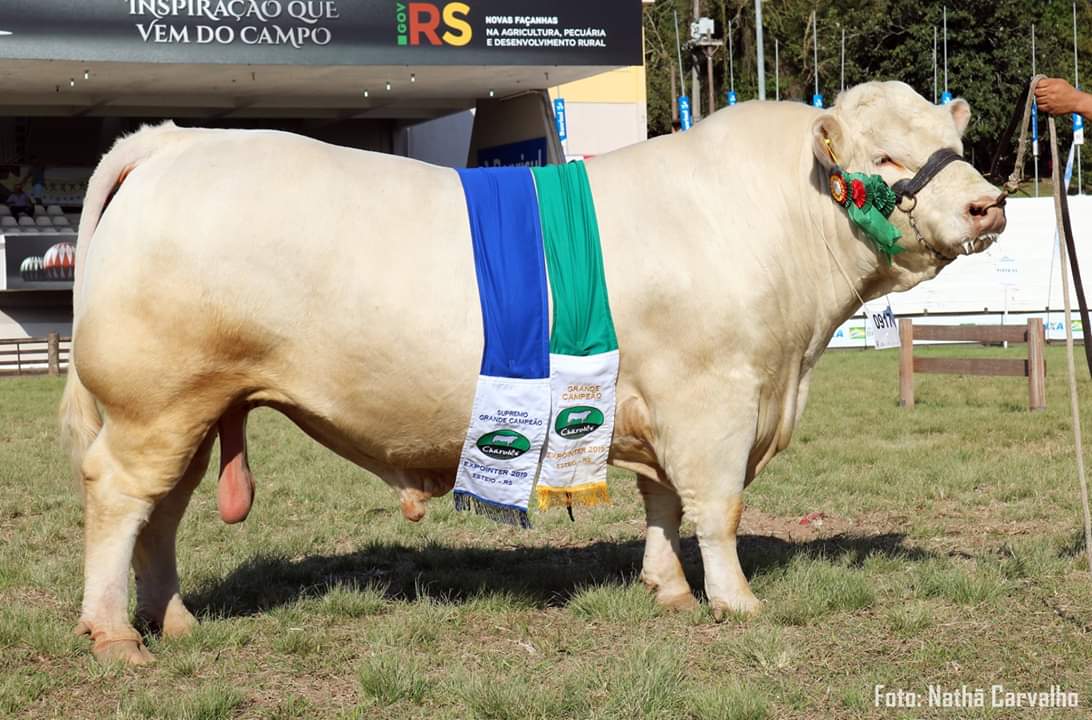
(909, 188)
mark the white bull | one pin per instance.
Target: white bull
(204, 290)
(578, 417)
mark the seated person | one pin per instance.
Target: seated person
(19, 202)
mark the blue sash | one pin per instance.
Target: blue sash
(511, 410)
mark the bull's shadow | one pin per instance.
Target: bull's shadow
(541, 577)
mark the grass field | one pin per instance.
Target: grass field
(950, 553)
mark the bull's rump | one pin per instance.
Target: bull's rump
(337, 284)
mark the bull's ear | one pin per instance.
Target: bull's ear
(828, 140)
(961, 114)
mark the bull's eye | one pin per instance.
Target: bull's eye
(886, 160)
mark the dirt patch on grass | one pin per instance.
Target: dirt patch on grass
(795, 529)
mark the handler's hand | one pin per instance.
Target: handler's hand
(1057, 97)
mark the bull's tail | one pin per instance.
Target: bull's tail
(80, 419)
(79, 413)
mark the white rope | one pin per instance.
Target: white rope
(1074, 405)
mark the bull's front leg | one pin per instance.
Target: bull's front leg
(710, 482)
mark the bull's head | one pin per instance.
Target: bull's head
(887, 129)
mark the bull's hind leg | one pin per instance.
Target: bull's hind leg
(662, 569)
(126, 472)
(159, 602)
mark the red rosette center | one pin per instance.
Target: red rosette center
(860, 193)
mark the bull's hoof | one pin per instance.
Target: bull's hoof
(130, 652)
(739, 606)
(123, 645)
(178, 622)
(679, 602)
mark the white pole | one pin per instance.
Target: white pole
(777, 70)
(843, 60)
(815, 48)
(1035, 140)
(945, 48)
(678, 48)
(935, 96)
(732, 67)
(760, 53)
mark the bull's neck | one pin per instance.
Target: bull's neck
(791, 260)
(852, 270)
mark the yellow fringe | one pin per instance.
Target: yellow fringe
(586, 495)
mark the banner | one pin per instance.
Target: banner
(325, 32)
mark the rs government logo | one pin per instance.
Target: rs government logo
(418, 23)
(503, 444)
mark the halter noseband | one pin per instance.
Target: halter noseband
(910, 187)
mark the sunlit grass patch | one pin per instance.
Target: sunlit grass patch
(762, 648)
(962, 584)
(41, 631)
(215, 701)
(909, 619)
(390, 678)
(20, 688)
(518, 691)
(620, 603)
(728, 701)
(648, 681)
(810, 588)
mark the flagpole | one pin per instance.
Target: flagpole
(935, 96)
(760, 55)
(945, 48)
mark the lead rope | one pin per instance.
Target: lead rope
(1060, 213)
(1071, 368)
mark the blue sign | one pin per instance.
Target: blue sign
(732, 100)
(817, 100)
(1078, 122)
(1034, 121)
(684, 112)
(560, 120)
(945, 97)
(526, 153)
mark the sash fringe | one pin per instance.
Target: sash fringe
(497, 512)
(587, 495)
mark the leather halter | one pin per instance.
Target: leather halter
(910, 187)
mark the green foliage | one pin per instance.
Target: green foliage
(989, 52)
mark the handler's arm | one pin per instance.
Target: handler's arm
(1057, 97)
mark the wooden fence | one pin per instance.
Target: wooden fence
(35, 356)
(1033, 367)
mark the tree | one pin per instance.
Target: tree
(989, 52)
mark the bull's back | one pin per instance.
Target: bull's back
(336, 281)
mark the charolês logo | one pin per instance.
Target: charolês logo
(419, 23)
(576, 422)
(503, 444)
